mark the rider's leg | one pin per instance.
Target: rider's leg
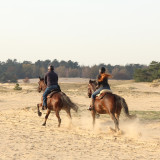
(47, 91)
(92, 104)
(93, 98)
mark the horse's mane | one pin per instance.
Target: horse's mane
(93, 82)
(41, 79)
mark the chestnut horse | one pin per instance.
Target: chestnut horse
(56, 101)
(108, 103)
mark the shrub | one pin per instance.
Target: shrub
(17, 87)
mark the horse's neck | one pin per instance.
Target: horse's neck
(44, 87)
(93, 87)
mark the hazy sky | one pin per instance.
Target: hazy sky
(87, 31)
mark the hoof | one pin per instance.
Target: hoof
(112, 130)
(39, 114)
(44, 124)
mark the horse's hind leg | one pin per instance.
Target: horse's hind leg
(115, 121)
(59, 119)
(69, 113)
(46, 117)
(117, 117)
(70, 117)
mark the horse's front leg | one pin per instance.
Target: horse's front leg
(39, 113)
(93, 116)
(46, 117)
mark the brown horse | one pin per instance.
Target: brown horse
(108, 103)
(56, 101)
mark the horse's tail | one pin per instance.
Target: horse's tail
(121, 101)
(68, 103)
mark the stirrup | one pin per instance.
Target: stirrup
(44, 107)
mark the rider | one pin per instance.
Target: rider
(51, 80)
(102, 84)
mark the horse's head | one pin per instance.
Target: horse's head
(91, 87)
(41, 84)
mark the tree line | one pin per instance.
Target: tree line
(148, 74)
(12, 70)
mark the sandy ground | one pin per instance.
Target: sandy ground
(23, 136)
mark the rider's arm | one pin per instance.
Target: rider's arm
(45, 79)
(99, 82)
(109, 75)
(100, 78)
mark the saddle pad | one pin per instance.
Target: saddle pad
(104, 91)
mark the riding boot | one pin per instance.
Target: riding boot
(44, 107)
(91, 107)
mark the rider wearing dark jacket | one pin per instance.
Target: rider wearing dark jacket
(51, 80)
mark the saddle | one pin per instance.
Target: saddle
(103, 93)
(54, 91)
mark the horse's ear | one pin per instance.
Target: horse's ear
(39, 77)
(90, 81)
